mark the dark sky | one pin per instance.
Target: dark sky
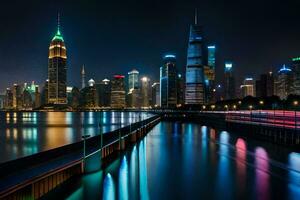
(112, 37)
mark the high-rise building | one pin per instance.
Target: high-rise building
(104, 93)
(296, 75)
(37, 98)
(155, 95)
(229, 82)
(57, 70)
(8, 99)
(133, 80)
(145, 92)
(209, 74)
(194, 89)
(134, 98)
(247, 88)
(180, 90)
(284, 82)
(88, 97)
(168, 82)
(75, 98)
(17, 98)
(82, 77)
(265, 85)
(118, 92)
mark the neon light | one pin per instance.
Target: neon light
(119, 76)
(284, 69)
(58, 36)
(296, 59)
(211, 47)
(170, 56)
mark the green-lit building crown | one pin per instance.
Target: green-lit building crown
(58, 36)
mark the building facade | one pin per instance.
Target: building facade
(145, 92)
(57, 70)
(229, 82)
(168, 82)
(194, 87)
(284, 82)
(118, 92)
(247, 88)
(265, 85)
(296, 75)
(155, 91)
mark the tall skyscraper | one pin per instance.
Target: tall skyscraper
(57, 70)
(104, 93)
(17, 98)
(209, 74)
(145, 92)
(296, 75)
(133, 79)
(247, 88)
(82, 77)
(180, 90)
(194, 89)
(118, 92)
(284, 82)
(229, 82)
(168, 82)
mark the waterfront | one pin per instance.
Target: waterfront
(26, 133)
(190, 161)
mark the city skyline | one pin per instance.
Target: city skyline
(83, 50)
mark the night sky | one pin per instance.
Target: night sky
(112, 37)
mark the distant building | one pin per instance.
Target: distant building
(17, 97)
(82, 77)
(168, 82)
(37, 98)
(57, 70)
(44, 94)
(75, 98)
(209, 74)
(8, 99)
(296, 75)
(88, 97)
(27, 102)
(133, 80)
(91, 83)
(284, 82)
(155, 95)
(247, 88)
(134, 98)
(265, 85)
(118, 92)
(194, 88)
(104, 93)
(229, 82)
(180, 90)
(145, 92)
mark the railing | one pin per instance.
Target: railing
(275, 118)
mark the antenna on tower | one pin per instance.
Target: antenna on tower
(196, 16)
(58, 21)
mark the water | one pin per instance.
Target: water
(190, 161)
(26, 133)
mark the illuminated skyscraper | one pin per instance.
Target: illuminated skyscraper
(229, 82)
(247, 88)
(194, 89)
(209, 74)
(57, 70)
(118, 92)
(145, 92)
(296, 75)
(133, 79)
(168, 82)
(82, 77)
(284, 82)
(265, 85)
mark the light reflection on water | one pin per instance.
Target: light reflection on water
(26, 133)
(197, 162)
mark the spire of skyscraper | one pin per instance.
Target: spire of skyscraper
(82, 77)
(196, 16)
(58, 21)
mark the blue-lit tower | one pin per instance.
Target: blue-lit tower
(168, 82)
(284, 82)
(194, 88)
